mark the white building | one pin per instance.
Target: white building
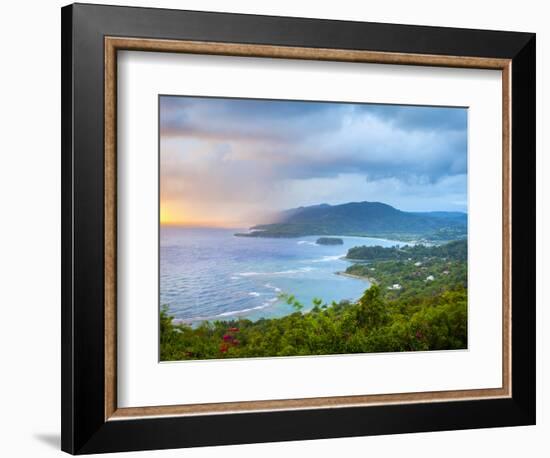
(395, 286)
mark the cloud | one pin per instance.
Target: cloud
(419, 117)
(445, 194)
(243, 119)
(250, 153)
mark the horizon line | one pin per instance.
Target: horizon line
(235, 225)
(202, 225)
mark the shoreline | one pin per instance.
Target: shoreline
(371, 280)
(235, 317)
(276, 309)
(193, 322)
(253, 235)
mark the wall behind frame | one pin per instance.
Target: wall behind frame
(30, 229)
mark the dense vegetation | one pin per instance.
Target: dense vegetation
(329, 241)
(457, 250)
(412, 271)
(373, 324)
(364, 219)
(427, 312)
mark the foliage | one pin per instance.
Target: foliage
(413, 271)
(427, 312)
(374, 324)
(457, 250)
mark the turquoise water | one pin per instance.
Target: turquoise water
(211, 274)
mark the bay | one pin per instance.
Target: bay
(210, 274)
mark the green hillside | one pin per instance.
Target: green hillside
(363, 219)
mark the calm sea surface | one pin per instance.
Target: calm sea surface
(211, 274)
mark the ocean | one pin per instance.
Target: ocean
(210, 274)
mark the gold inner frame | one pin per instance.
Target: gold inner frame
(114, 44)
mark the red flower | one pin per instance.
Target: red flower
(235, 342)
(227, 338)
(223, 348)
(233, 330)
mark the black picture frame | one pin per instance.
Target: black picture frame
(84, 428)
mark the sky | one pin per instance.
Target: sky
(236, 162)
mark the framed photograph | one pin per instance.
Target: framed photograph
(281, 228)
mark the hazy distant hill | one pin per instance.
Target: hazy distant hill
(363, 218)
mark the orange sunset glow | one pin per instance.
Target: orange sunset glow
(172, 215)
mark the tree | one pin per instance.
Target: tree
(372, 310)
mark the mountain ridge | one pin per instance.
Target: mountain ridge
(362, 218)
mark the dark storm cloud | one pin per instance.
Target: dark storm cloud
(182, 113)
(245, 119)
(329, 138)
(419, 117)
(255, 145)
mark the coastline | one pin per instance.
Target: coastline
(371, 280)
(236, 316)
(399, 240)
(248, 279)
